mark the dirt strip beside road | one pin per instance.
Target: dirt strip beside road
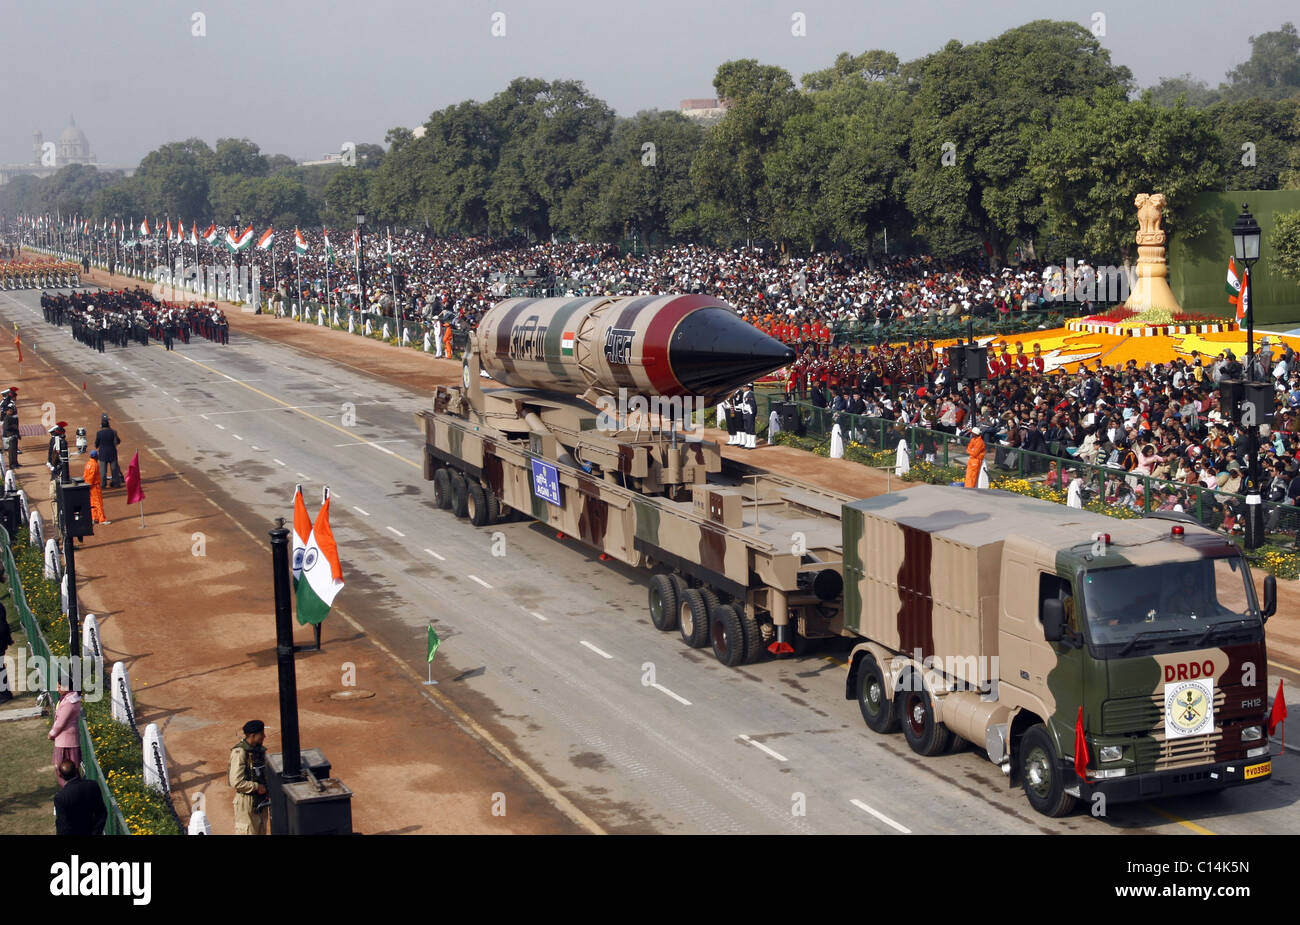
(186, 602)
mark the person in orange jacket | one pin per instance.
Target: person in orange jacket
(975, 450)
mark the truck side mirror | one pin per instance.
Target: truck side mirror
(1270, 596)
(1054, 619)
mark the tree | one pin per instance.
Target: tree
(729, 171)
(1259, 139)
(1100, 151)
(977, 111)
(1286, 244)
(1195, 93)
(346, 194)
(1273, 69)
(239, 157)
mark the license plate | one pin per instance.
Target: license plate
(1257, 770)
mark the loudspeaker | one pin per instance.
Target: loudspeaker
(788, 414)
(969, 361)
(74, 502)
(11, 515)
(1235, 395)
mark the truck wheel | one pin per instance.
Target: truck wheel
(1041, 776)
(727, 635)
(493, 508)
(459, 495)
(442, 489)
(873, 699)
(693, 619)
(711, 602)
(753, 635)
(679, 583)
(916, 715)
(663, 603)
(476, 504)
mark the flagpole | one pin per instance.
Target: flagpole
(298, 256)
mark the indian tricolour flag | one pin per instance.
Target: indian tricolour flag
(566, 344)
(240, 241)
(194, 234)
(1233, 287)
(322, 574)
(301, 531)
(210, 236)
(329, 251)
(299, 242)
(264, 242)
(144, 228)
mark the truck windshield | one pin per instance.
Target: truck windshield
(1139, 605)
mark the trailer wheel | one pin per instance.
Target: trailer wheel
(753, 635)
(693, 619)
(442, 489)
(916, 715)
(664, 602)
(727, 635)
(459, 494)
(873, 698)
(476, 504)
(1040, 774)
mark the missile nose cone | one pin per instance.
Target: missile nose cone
(713, 352)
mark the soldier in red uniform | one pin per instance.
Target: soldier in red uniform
(1039, 364)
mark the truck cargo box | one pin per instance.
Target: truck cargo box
(921, 572)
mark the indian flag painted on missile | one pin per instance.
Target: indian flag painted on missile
(566, 344)
(322, 574)
(299, 242)
(264, 242)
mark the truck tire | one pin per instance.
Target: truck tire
(916, 716)
(711, 602)
(679, 583)
(442, 489)
(494, 508)
(459, 494)
(693, 619)
(727, 635)
(1040, 774)
(753, 635)
(873, 699)
(663, 603)
(476, 504)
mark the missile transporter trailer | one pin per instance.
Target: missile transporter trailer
(1014, 623)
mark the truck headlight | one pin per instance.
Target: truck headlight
(1252, 734)
(1111, 752)
(1113, 772)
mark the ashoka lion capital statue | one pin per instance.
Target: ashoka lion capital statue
(1151, 298)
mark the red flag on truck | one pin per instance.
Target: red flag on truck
(1277, 715)
(1080, 747)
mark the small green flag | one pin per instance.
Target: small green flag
(433, 642)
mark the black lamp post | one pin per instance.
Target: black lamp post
(1245, 242)
(361, 260)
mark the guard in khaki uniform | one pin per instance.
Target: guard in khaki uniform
(249, 792)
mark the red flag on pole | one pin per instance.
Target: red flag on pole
(134, 493)
(18, 342)
(1080, 747)
(1277, 715)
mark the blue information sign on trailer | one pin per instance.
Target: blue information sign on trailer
(546, 482)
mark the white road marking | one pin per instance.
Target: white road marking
(397, 532)
(221, 427)
(761, 747)
(436, 556)
(383, 449)
(237, 437)
(599, 652)
(304, 477)
(362, 511)
(278, 462)
(479, 580)
(881, 816)
(257, 448)
(678, 697)
(539, 616)
(177, 400)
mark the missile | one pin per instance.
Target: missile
(669, 345)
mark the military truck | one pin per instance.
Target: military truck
(1019, 625)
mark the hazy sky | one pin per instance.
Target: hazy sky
(300, 78)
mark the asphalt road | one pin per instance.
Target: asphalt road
(552, 649)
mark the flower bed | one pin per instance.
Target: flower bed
(118, 748)
(1179, 323)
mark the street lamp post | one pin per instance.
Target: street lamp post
(1245, 242)
(238, 288)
